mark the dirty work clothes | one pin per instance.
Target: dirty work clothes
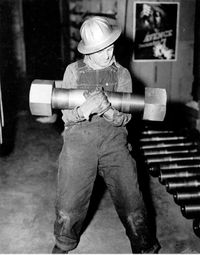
(97, 147)
(91, 148)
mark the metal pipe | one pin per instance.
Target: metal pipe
(167, 145)
(170, 151)
(157, 132)
(182, 184)
(191, 211)
(174, 174)
(180, 165)
(183, 197)
(166, 138)
(70, 98)
(154, 170)
(173, 158)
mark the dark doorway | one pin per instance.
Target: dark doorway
(42, 35)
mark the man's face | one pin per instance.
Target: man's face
(103, 57)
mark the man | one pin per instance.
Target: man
(95, 142)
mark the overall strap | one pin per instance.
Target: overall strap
(89, 78)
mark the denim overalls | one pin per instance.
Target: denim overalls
(98, 147)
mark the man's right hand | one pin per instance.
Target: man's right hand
(96, 103)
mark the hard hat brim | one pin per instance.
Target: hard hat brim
(82, 48)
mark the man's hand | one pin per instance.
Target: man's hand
(96, 103)
(109, 114)
(116, 118)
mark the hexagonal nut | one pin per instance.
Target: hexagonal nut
(40, 96)
(155, 104)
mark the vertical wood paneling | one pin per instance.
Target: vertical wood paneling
(19, 36)
(182, 73)
(122, 13)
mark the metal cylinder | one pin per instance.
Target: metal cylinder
(167, 145)
(196, 226)
(170, 151)
(180, 165)
(175, 165)
(157, 132)
(191, 211)
(182, 184)
(70, 98)
(173, 174)
(173, 158)
(152, 104)
(183, 197)
(162, 138)
(154, 170)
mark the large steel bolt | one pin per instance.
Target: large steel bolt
(40, 97)
(44, 97)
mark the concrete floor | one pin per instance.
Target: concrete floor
(27, 188)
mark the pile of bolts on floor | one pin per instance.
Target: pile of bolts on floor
(173, 156)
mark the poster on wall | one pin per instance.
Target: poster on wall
(155, 31)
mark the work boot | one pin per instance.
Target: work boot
(57, 250)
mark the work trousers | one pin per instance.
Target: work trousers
(92, 148)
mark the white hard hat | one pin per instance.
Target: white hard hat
(97, 34)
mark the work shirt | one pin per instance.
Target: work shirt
(79, 75)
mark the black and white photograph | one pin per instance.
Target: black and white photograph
(99, 127)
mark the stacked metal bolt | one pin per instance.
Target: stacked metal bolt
(173, 156)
